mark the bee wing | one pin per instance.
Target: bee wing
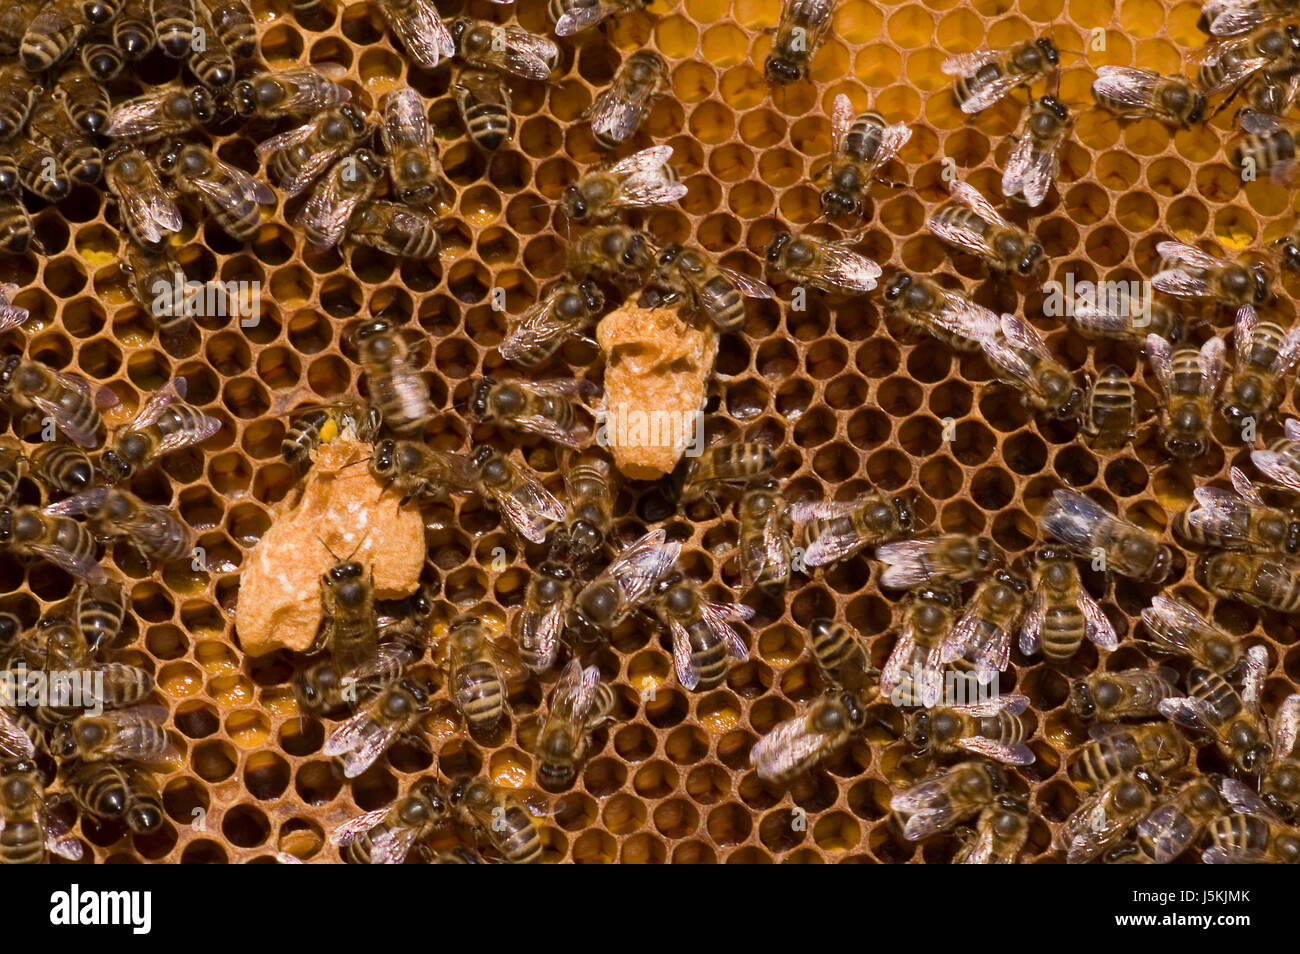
(981, 847)
(1013, 754)
(746, 285)
(150, 210)
(404, 119)
(1004, 353)
(1125, 85)
(78, 505)
(1276, 467)
(59, 839)
(529, 55)
(422, 32)
(1105, 314)
(614, 117)
(1211, 361)
(1025, 335)
(905, 563)
(544, 633)
(1160, 354)
(250, 189)
(1044, 167)
(1243, 799)
(1031, 631)
(576, 687)
(959, 234)
(1188, 712)
(1097, 625)
(328, 210)
(892, 139)
(309, 170)
(646, 162)
(1172, 620)
(285, 140)
(989, 93)
(687, 673)
(354, 828)
(85, 568)
(1166, 832)
(1232, 69)
(892, 673)
(1286, 727)
(14, 742)
(848, 269)
(1012, 702)
(1252, 681)
(84, 436)
(392, 845)
(841, 122)
(530, 507)
(582, 18)
(136, 735)
(1230, 17)
(1183, 254)
(1259, 124)
(359, 741)
(1013, 177)
(1291, 428)
(1071, 518)
(788, 746)
(536, 325)
(11, 316)
(1222, 514)
(719, 616)
(963, 64)
(644, 563)
(1234, 855)
(973, 199)
(961, 316)
(1092, 827)
(1244, 488)
(655, 187)
(137, 117)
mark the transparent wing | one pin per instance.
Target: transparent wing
(892, 138)
(687, 674)
(538, 325)
(841, 122)
(1013, 177)
(14, 742)
(392, 845)
(85, 568)
(973, 199)
(139, 117)
(747, 286)
(1189, 712)
(1211, 362)
(1031, 631)
(528, 504)
(405, 120)
(236, 180)
(1013, 754)
(961, 316)
(285, 140)
(330, 207)
(1167, 833)
(906, 562)
(11, 316)
(644, 563)
(1173, 621)
(421, 31)
(543, 633)
(135, 734)
(720, 616)
(1098, 626)
(83, 434)
(1181, 253)
(613, 117)
(847, 269)
(1126, 86)
(791, 746)
(580, 18)
(1232, 68)
(354, 828)
(360, 741)
(1277, 467)
(529, 55)
(150, 211)
(1286, 727)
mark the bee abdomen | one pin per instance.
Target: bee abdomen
(1063, 632)
(480, 695)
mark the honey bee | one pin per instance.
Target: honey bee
(84, 100)
(527, 508)
(1231, 718)
(983, 633)
(842, 659)
(800, 744)
(348, 608)
(63, 467)
(1280, 785)
(27, 829)
(52, 34)
(133, 32)
(410, 146)
(1239, 522)
(214, 64)
(860, 147)
(571, 17)
(956, 556)
(1062, 613)
(417, 470)
(834, 531)
(723, 467)
(1268, 148)
(914, 665)
(969, 222)
(417, 26)
(483, 101)
(147, 209)
(482, 44)
(505, 822)
(545, 408)
(478, 670)
(14, 17)
(351, 181)
(717, 293)
(540, 622)
(108, 789)
(170, 111)
(324, 686)
(114, 513)
(1133, 93)
(591, 517)
(278, 94)
(234, 25)
(543, 328)
(1091, 531)
(136, 734)
(1229, 17)
(365, 736)
(1266, 582)
(1178, 628)
(231, 196)
(158, 284)
(799, 34)
(765, 537)
(985, 76)
(619, 109)
(174, 25)
(1021, 359)
(318, 425)
(1187, 272)
(99, 612)
(1035, 162)
(1127, 694)
(1252, 834)
(295, 158)
(998, 836)
(939, 801)
(1110, 413)
(1266, 355)
(397, 390)
(702, 636)
(1178, 820)
(642, 180)
(951, 317)
(62, 398)
(612, 596)
(385, 836)
(831, 266)
(1102, 820)
(1126, 317)
(39, 170)
(993, 729)
(164, 424)
(1225, 62)
(19, 94)
(396, 229)
(1117, 749)
(579, 705)
(618, 254)
(1280, 461)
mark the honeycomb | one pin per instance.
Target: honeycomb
(847, 401)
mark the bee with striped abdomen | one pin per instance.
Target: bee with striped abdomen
(970, 223)
(1110, 413)
(1133, 93)
(860, 147)
(985, 76)
(1062, 613)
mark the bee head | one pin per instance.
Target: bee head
(918, 730)
(777, 246)
(479, 396)
(384, 458)
(1029, 263)
(1055, 107)
(593, 298)
(113, 467)
(575, 204)
(1261, 284)
(897, 285)
(1049, 51)
(837, 203)
(1082, 703)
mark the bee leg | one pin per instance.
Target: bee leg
(890, 183)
